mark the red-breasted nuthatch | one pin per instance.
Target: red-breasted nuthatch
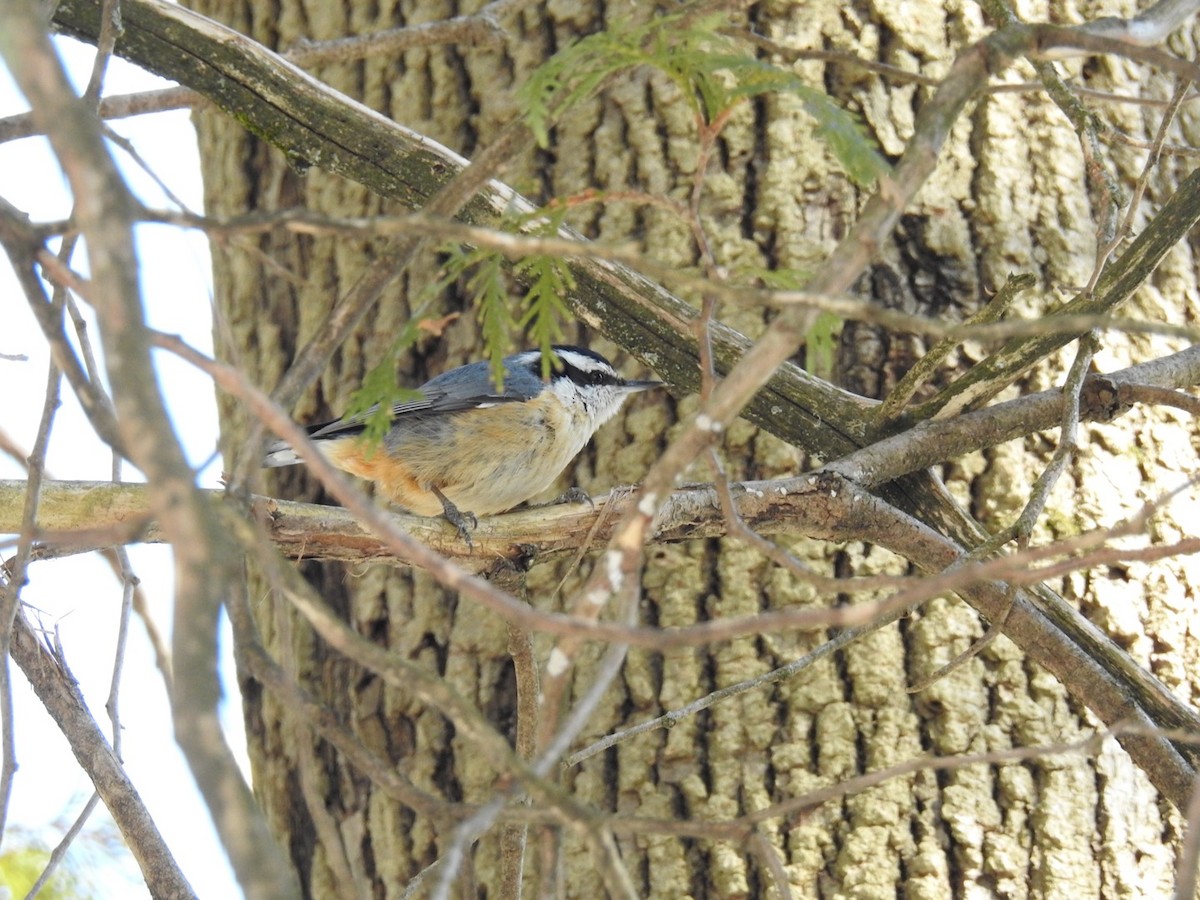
(464, 445)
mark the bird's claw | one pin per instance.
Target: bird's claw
(576, 495)
(464, 522)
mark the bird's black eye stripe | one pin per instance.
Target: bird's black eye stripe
(583, 377)
(580, 377)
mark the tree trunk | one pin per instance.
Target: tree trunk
(1008, 195)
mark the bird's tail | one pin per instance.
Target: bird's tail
(280, 453)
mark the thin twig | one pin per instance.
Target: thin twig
(15, 570)
(302, 221)
(129, 583)
(59, 693)
(672, 718)
(1105, 250)
(59, 853)
(1068, 440)
(323, 721)
(514, 836)
(301, 735)
(925, 367)
(1189, 852)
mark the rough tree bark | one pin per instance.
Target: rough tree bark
(1009, 195)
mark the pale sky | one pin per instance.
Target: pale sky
(80, 598)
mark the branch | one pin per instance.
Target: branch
(1104, 397)
(59, 693)
(1177, 217)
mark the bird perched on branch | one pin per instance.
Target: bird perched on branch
(465, 447)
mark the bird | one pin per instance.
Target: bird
(466, 448)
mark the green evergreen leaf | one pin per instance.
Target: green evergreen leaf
(545, 305)
(711, 72)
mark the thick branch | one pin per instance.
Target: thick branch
(59, 693)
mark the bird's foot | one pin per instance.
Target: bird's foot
(465, 522)
(575, 495)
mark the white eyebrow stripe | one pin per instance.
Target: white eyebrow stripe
(581, 362)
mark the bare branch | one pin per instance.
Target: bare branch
(59, 693)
